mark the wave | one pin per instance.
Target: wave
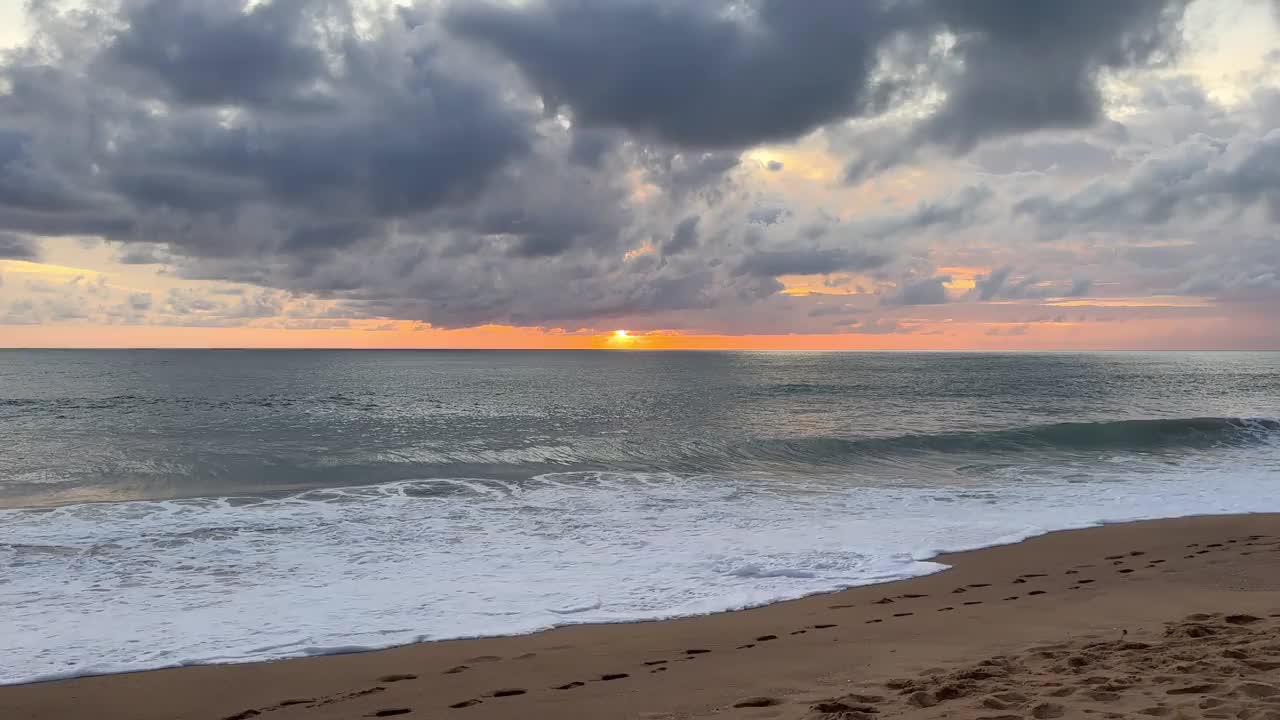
(1115, 435)
(915, 456)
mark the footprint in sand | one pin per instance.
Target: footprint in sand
(824, 626)
(1047, 710)
(872, 622)
(1013, 597)
(696, 651)
(1036, 592)
(570, 686)
(508, 692)
(903, 614)
(766, 638)
(456, 669)
(465, 704)
(944, 609)
(748, 646)
(613, 676)
(798, 632)
(389, 712)
(974, 602)
(755, 702)
(397, 678)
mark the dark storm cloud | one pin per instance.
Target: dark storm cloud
(397, 134)
(212, 52)
(695, 74)
(1034, 64)
(1029, 66)
(15, 247)
(725, 75)
(809, 262)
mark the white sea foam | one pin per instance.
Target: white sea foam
(104, 588)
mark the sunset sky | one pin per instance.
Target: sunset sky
(757, 174)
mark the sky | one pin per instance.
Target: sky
(753, 174)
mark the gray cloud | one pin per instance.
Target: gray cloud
(140, 301)
(495, 163)
(1018, 77)
(16, 247)
(774, 263)
(930, 291)
(684, 237)
(696, 74)
(1195, 177)
(213, 53)
(989, 286)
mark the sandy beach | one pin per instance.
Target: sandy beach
(1176, 618)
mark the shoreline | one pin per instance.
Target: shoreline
(935, 557)
(701, 663)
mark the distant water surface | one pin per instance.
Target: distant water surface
(171, 507)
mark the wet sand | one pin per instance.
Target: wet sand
(1171, 618)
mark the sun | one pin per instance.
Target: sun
(620, 339)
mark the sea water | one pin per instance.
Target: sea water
(164, 508)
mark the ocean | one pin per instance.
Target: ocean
(165, 508)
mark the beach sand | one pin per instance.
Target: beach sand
(1176, 618)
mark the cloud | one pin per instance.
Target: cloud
(772, 263)
(1190, 179)
(1007, 75)
(216, 53)
(988, 286)
(15, 247)
(684, 237)
(930, 291)
(576, 164)
(702, 75)
(1018, 77)
(140, 301)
